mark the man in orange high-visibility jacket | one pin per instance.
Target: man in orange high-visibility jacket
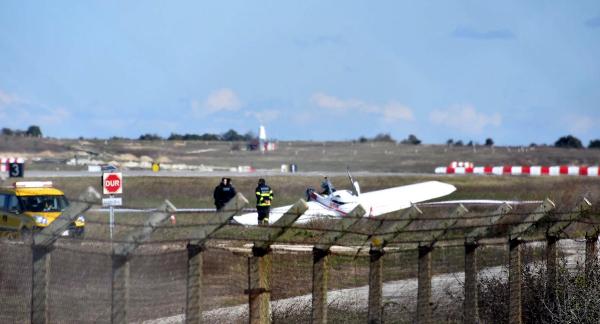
(264, 197)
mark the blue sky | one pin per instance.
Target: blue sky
(516, 71)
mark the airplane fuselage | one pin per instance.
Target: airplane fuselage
(340, 201)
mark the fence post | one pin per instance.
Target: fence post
(375, 285)
(260, 264)
(514, 281)
(424, 286)
(471, 305)
(515, 266)
(321, 263)
(193, 309)
(591, 252)
(551, 258)
(259, 286)
(120, 261)
(424, 277)
(193, 312)
(319, 285)
(471, 311)
(39, 289)
(42, 244)
(120, 289)
(552, 236)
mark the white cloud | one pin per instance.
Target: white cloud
(389, 112)
(395, 111)
(8, 99)
(581, 124)
(465, 118)
(54, 116)
(330, 102)
(264, 116)
(222, 100)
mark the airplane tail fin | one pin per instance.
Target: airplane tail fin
(355, 186)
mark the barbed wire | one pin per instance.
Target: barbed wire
(437, 232)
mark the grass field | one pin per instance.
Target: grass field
(51, 154)
(145, 192)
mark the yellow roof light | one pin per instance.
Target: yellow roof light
(33, 184)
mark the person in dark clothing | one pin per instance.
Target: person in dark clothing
(223, 193)
(327, 186)
(264, 197)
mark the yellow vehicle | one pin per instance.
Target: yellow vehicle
(32, 205)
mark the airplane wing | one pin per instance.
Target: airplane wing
(388, 200)
(314, 210)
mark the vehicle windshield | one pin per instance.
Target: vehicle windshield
(44, 203)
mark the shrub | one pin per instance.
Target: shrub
(576, 298)
(150, 137)
(412, 140)
(568, 141)
(594, 144)
(383, 137)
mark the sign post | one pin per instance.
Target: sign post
(112, 183)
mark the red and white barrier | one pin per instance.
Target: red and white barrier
(4, 162)
(591, 171)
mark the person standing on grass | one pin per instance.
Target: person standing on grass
(264, 197)
(223, 193)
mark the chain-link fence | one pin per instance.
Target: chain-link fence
(429, 264)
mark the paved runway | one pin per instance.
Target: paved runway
(258, 173)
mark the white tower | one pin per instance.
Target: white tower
(262, 138)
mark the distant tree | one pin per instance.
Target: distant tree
(7, 131)
(249, 136)
(458, 143)
(175, 137)
(231, 135)
(412, 140)
(533, 145)
(489, 142)
(150, 137)
(363, 139)
(210, 137)
(594, 144)
(449, 142)
(470, 143)
(383, 137)
(568, 141)
(34, 131)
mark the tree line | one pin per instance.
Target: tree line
(31, 131)
(229, 136)
(568, 141)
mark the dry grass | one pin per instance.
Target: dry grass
(309, 156)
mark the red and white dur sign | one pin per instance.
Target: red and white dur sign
(112, 183)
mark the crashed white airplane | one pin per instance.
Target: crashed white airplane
(339, 203)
